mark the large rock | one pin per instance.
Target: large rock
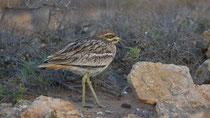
(204, 90)
(203, 114)
(41, 107)
(176, 109)
(202, 75)
(208, 51)
(183, 108)
(47, 107)
(206, 42)
(155, 82)
(170, 88)
(8, 111)
(206, 36)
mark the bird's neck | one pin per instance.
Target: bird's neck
(107, 42)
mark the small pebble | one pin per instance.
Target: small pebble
(146, 112)
(107, 111)
(124, 105)
(137, 109)
(99, 113)
(145, 33)
(43, 45)
(125, 93)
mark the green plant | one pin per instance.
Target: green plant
(42, 81)
(29, 74)
(184, 24)
(2, 91)
(4, 73)
(133, 54)
(28, 69)
(203, 25)
(17, 93)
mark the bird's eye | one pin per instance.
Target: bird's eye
(109, 36)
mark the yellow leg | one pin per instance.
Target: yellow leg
(93, 92)
(83, 90)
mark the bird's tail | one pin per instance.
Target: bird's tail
(52, 66)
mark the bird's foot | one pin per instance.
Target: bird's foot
(86, 105)
(101, 105)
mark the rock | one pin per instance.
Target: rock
(107, 111)
(206, 42)
(202, 75)
(155, 82)
(132, 116)
(5, 106)
(205, 114)
(100, 113)
(146, 112)
(174, 109)
(170, 88)
(206, 36)
(47, 107)
(7, 111)
(204, 90)
(22, 105)
(208, 51)
(185, 108)
(125, 105)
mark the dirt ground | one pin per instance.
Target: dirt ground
(113, 104)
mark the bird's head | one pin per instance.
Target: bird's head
(108, 36)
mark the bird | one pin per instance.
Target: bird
(86, 57)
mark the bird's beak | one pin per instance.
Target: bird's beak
(117, 38)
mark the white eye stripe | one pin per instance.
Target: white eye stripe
(109, 33)
(109, 39)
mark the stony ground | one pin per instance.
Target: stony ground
(114, 104)
(170, 32)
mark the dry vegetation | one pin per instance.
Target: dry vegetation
(164, 31)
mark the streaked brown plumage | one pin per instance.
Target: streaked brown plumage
(87, 57)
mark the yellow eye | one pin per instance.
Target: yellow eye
(109, 36)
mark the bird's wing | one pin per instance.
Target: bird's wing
(83, 53)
